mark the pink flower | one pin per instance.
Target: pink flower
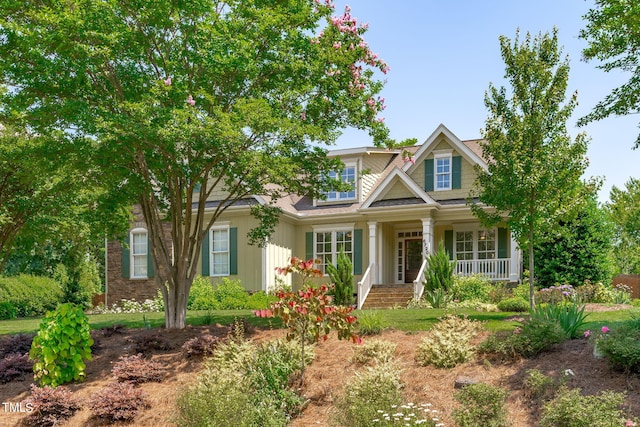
(191, 101)
(303, 115)
(517, 330)
(167, 81)
(630, 423)
(604, 329)
(587, 333)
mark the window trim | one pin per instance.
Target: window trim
(212, 252)
(475, 230)
(347, 165)
(438, 156)
(133, 255)
(338, 228)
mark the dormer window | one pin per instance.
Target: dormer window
(443, 172)
(349, 176)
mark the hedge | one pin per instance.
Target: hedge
(30, 295)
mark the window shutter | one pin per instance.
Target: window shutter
(205, 254)
(233, 250)
(308, 245)
(150, 270)
(357, 251)
(126, 261)
(448, 242)
(503, 243)
(428, 175)
(456, 172)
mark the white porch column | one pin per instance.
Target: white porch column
(514, 262)
(373, 227)
(427, 236)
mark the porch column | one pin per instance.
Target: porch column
(373, 227)
(427, 236)
(514, 263)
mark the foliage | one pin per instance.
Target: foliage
(18, 343)
(408, 414)
(61, 346)
(81, 288)
(202, 295)
(621, 294)
(439, 271)
(576, 250)
(594, 293)
(438, 298)
(448, 343)
(30, 295)
(259, 300)
(230, 295)
(14, 366)
(612, 34)
(7, 310)
(341, 276)
(149, 342)
(569, 408)
(538, 386)
(50, 406)
(532, 338)
(532, 180)
(624, 213)
(137, 370)
(570, 317)
(203, 345)
(483, 406)
(556, 294)
(377, 351)
(368, 391)
(370, 322)
(117, 402)
(515, 304)
(475, 287)
(621, 346)
(226, 295)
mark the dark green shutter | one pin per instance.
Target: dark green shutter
(448, 242)
(150, 270)
(428, 175)
(308, 245)
(503, 243)
(233, 250)
(456, 172)
(205, 254)
(357, 251)
(126, 261)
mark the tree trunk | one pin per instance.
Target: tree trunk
(532, 302)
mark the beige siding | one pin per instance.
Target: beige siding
(399, 190)
(375, 165)
(279, 251)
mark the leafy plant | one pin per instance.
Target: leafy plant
(61, 346)
(14, 367)
(370, 322)
(570, 409)
(50, 406)
(528, 340)
(200, 346)
(448, 343)
(30, 295)
(408, 414)
(8, 310)
(515, 304)
(570, 317)
(18, 343)
(482, 406)
(378, 351)
(438, 298)
(538, 386)
(150, 341)
(621, 346)
(117, 402)
(439, 272)
(475, 287)
(341, 276)
(137, 370)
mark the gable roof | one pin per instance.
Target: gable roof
(397, 175)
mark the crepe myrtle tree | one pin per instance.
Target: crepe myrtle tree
(182, 98)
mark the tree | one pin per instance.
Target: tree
(533, 170)
(613, 34)
(624, 212)
(181, 98)
(577, 250)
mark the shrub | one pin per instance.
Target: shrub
(7, 310)
(555, 294)
(406, 415)
(529, 340)
(570, 409)
(200, 346)
(501, 291)
(137, 370)
(61, 346)
(472, 288)
(375, 388)
(448, 343)
(201, 295)
(515, 304)
(439, 272)
(230, 295)
(30, 295)
(50, 406)
(14, 367)
(378, 351)
(149, 342)
(483, 406)
(622, 294)
(84, 284)
(259, 300)
(438, 298)
(341, 276)
(594, 293)
(539, 386)
(370, 323)
(570, 317)
(117, 402)
(19, 343)
(621, 346)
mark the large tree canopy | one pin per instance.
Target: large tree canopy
(613, 34)
(193, 95)
(534, 167)
(624, 212)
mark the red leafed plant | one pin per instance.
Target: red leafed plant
(309, 312)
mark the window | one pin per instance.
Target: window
(464, 245)
(486, 244)
(443, 173)
(139, 244)
(348, 176)
(479, 244)
(328, 245)
(220, 251)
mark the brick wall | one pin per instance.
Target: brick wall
(631, 280)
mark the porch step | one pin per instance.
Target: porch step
(388, 296)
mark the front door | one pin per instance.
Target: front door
(412, 260)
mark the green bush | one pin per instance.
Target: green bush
(30, 295)
(341, 276)
(528, 340)
(570, 409)
(438, 298)
(370, 323)
(472, 288)
(448, 343)
(482, 406)
(621, 346)
(377, 351)
(82, 286)
(539, 386)
(368, 391)
(594, 293)
(61, 346)
(7, 310)
(226, 295)
(439, 272)
(515, 304)
(259, 300)
(570, 317)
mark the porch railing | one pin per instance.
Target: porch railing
(495, 269)
(418, 284)
(365, 284)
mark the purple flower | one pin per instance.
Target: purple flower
(168, 81)
(191, 101)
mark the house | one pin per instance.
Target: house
(403, 203)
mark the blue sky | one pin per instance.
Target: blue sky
(444, 54)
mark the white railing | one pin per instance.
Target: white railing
(495, 269)
(365, 284)
(418, 284)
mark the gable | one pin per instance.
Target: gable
(398, 186)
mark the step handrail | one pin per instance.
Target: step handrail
(418, 284)
(365, 284)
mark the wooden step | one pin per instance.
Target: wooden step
(388, 296)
